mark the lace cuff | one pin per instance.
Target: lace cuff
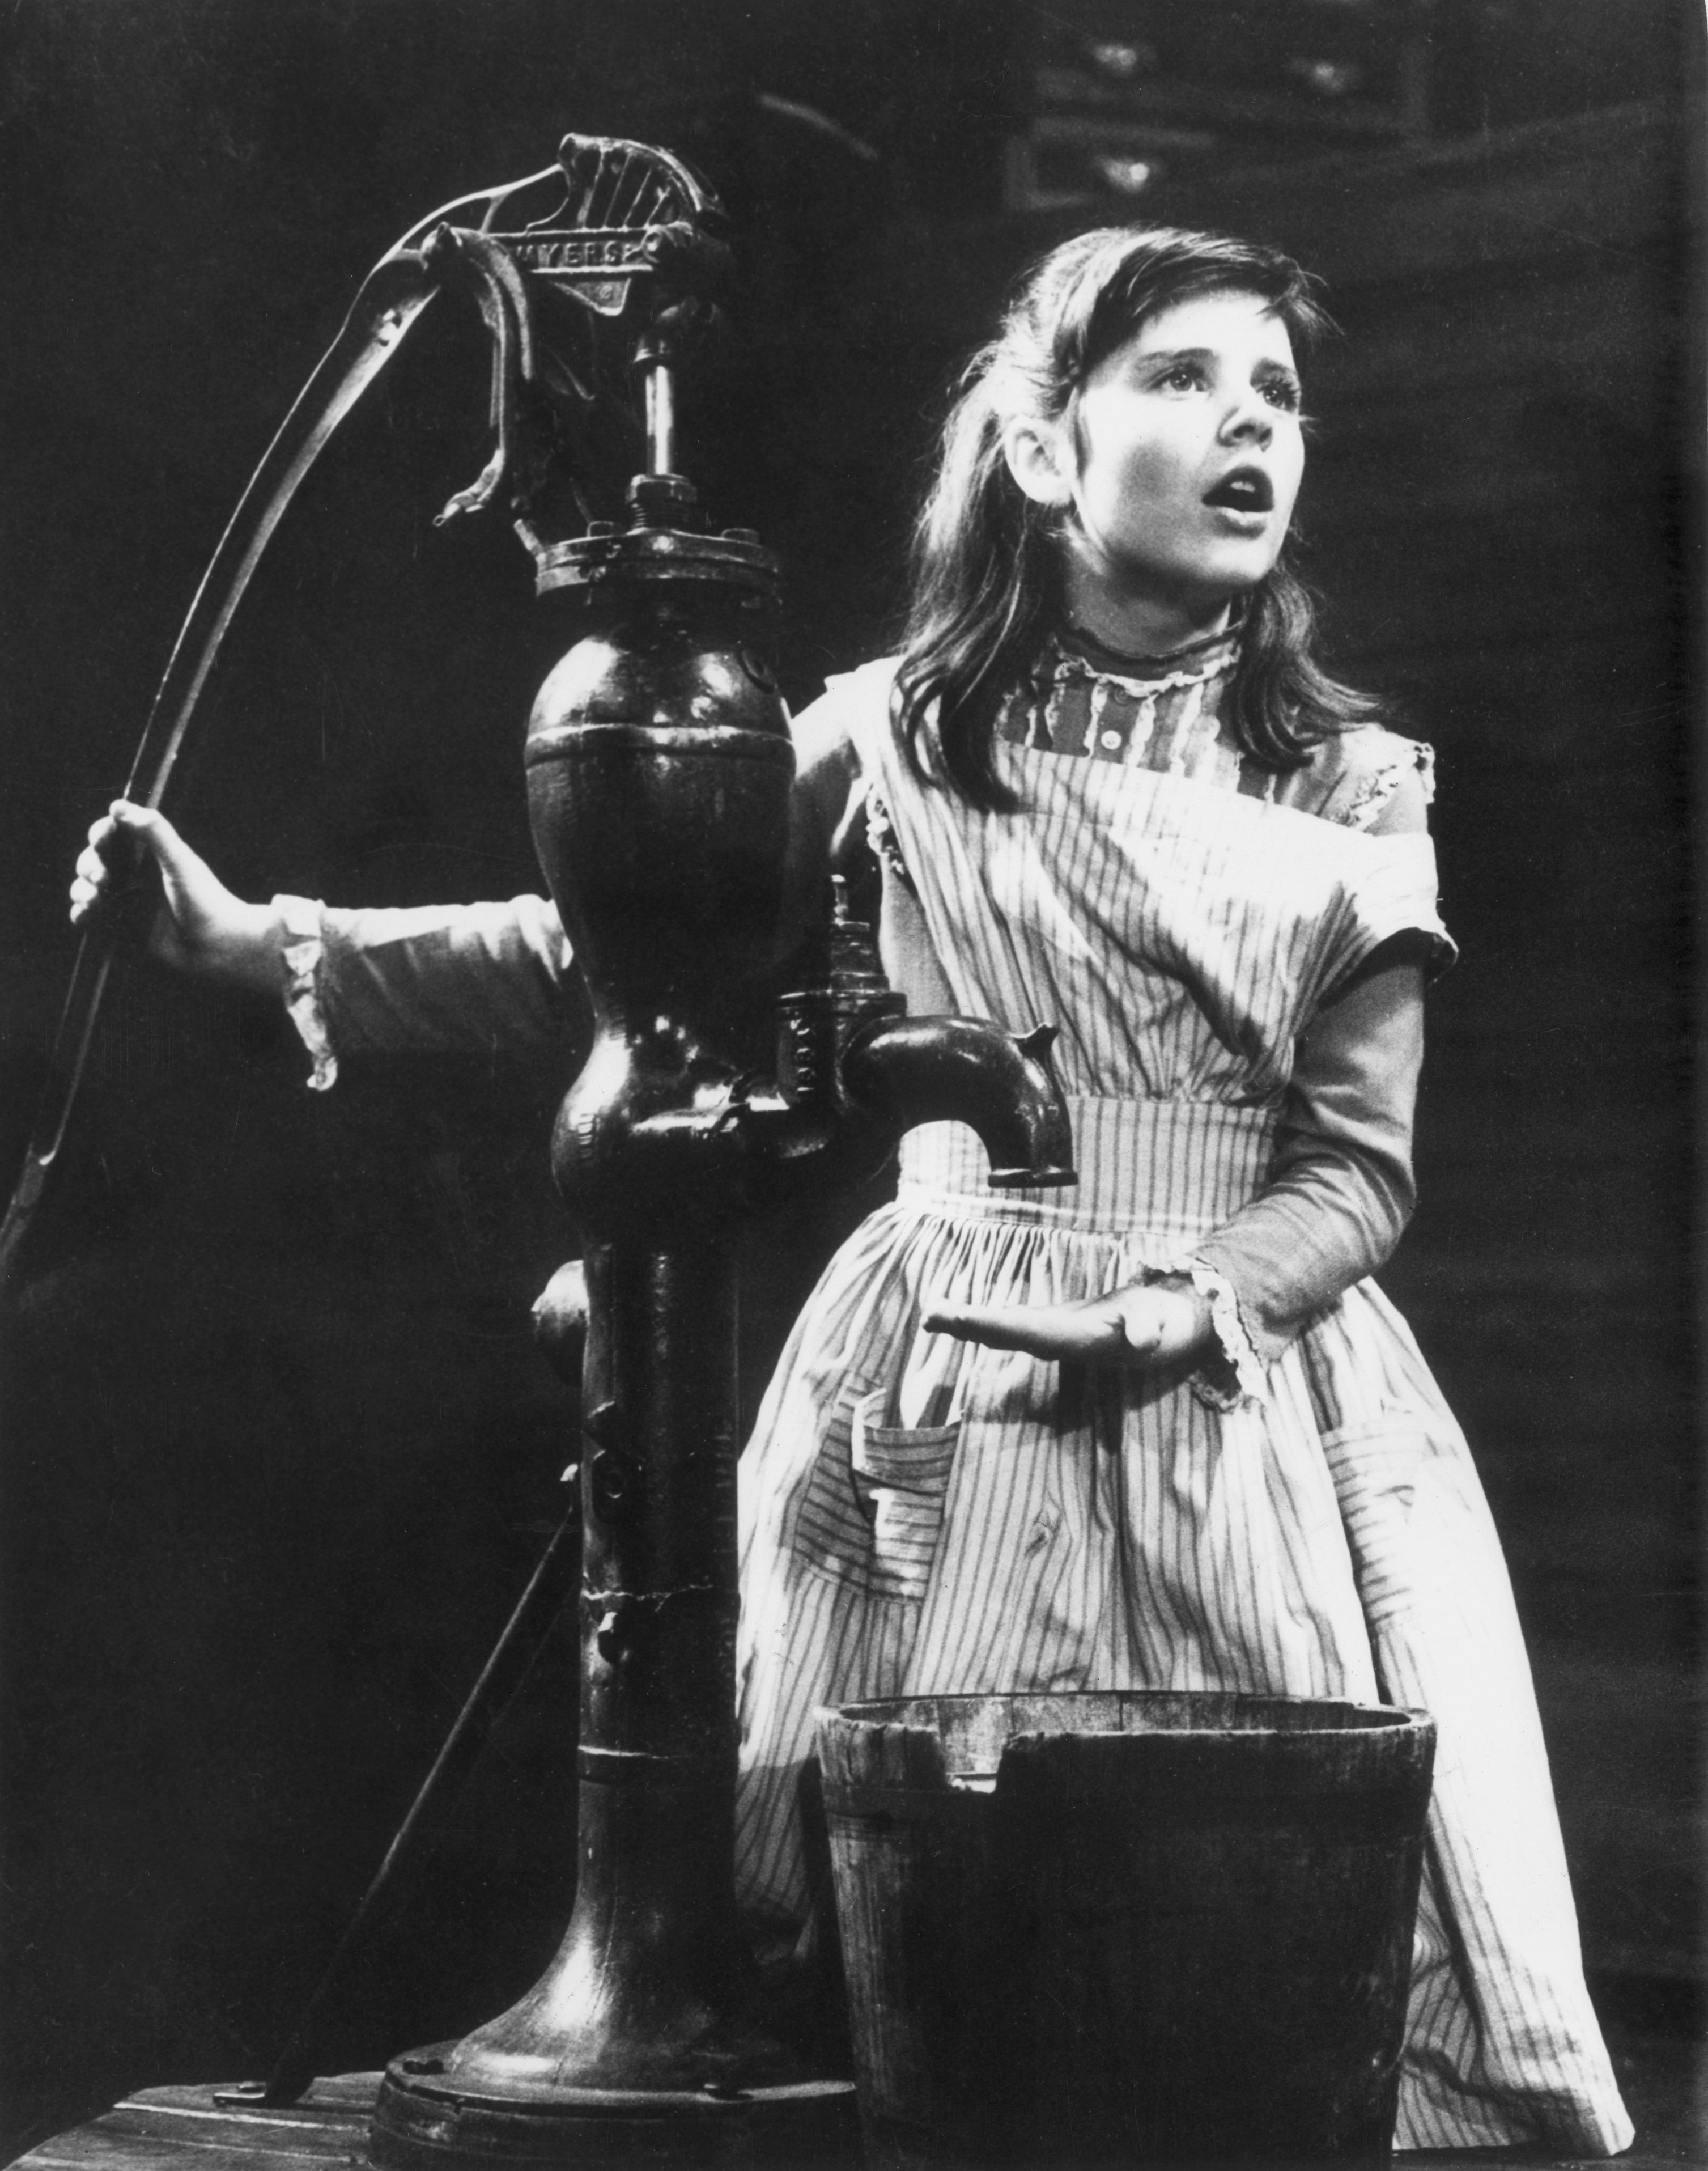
(304, 949)
(1234, 1373)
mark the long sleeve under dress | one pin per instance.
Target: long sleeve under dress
(921, 1515)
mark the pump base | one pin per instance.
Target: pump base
(417, 2126)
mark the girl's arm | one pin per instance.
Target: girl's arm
(1339, 1190)
(451, 977)
(1337, 1198)
(446, 977)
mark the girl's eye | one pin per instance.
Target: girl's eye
(1281, 392)
(1183, 377)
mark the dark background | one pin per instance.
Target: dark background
(278, 1453)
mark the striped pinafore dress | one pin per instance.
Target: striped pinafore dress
(920, 1515)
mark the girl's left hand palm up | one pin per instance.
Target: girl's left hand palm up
(1146, 1325)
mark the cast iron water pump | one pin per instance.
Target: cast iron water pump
(659, 771)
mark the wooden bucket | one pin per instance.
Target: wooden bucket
(1120, 1928)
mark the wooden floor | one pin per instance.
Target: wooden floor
(182, 2128)
(182, 2125)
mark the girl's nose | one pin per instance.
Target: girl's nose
(1249, 419)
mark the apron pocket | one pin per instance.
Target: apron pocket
(901, 1476)
(871, 1513)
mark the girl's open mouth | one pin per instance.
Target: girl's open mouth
(1243, 490)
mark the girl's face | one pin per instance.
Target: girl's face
(1178, 465)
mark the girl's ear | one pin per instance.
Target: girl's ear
(1035, 456)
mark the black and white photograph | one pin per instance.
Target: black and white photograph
(849, 1062)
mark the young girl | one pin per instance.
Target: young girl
(1160, 1431)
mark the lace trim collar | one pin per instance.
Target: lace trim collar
(1073, 652)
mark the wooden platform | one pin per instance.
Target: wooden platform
(181, 2128)
(183, 2125)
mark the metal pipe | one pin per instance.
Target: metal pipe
(661, 417)
(909, 1070)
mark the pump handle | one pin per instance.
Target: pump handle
(390, 301)
(625, 217)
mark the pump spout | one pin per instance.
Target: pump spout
(901, 1071)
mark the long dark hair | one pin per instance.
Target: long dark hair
(985, 572)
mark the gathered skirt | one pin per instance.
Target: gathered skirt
(923, 1516)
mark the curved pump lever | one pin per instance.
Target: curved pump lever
(509, 320)
(391, 299)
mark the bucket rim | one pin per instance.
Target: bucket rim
(1367, 1718)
